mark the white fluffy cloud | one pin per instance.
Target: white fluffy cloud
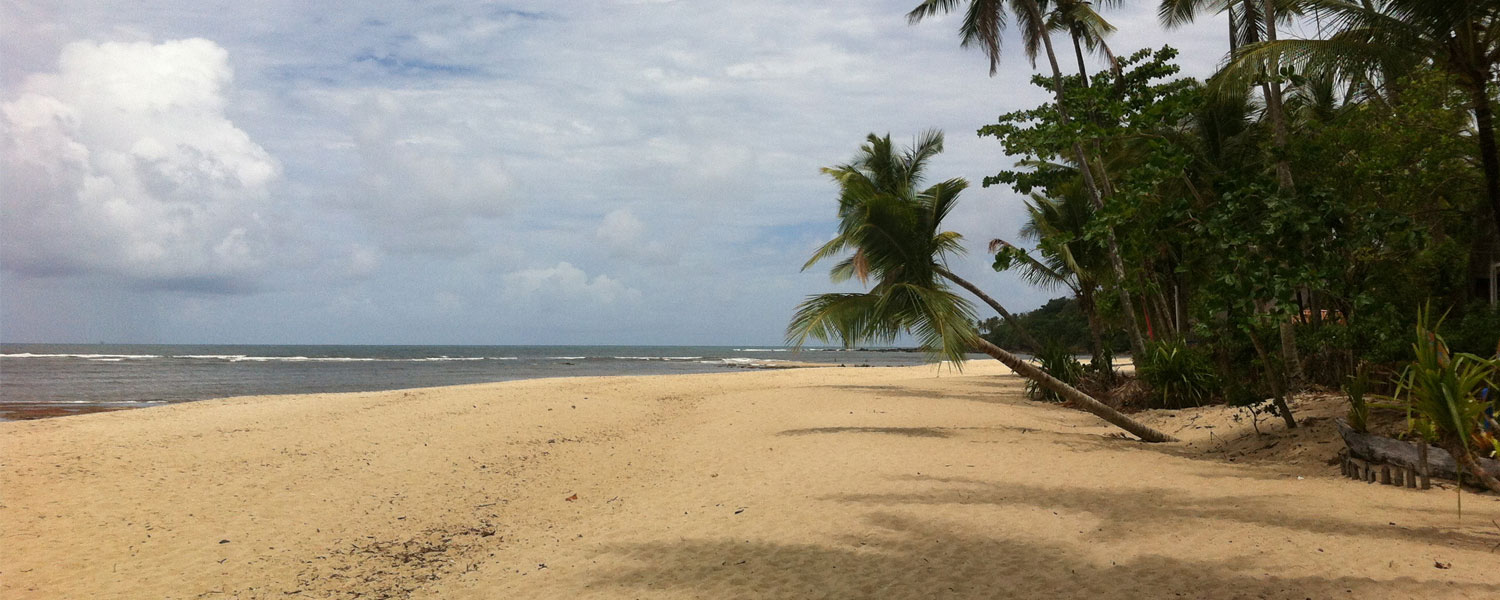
(433, 161)
(123, 163)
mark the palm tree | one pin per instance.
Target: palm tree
(983, 24)
(1246, 18)
(894, 231)
(1085, 27)
(1067, 258)
(1374, 40)
(895, 180)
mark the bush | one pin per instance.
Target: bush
(1476, 331)
(1445, 393)
(1058, 361)
(1179, 376)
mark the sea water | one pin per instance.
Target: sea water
(84, 378)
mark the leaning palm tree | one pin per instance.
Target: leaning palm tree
(983, 24)
(893, 233)
(894, 178)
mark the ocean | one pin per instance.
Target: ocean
(41, 380)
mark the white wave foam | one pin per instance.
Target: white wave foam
(743, 362)
(566, 357)
(90, 356)
(247, 358)
(761, 349)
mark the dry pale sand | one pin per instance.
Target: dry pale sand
(815, 483)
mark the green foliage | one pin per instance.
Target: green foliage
(1060, 320)
(1443, 393)
(1058, 361)
(892, 230)
(1371, 229)
(1103, 363)
(1179, 376)
(1359, 408)
(1442, 389)
(1476, 331)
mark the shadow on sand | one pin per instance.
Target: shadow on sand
(905, 557)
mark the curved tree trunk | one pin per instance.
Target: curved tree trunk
(1278, 387)
(1274, 108)
(1466, 462)
(1078, 54)
(1137, 343)
(1082, 400)
(1005, 314)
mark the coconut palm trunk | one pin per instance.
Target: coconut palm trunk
(1005, 314)
(1132, 326)
(1078, 54)
(1082, 400)
(1280, 137)
(1489, 155)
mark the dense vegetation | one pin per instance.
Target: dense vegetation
(1059, 322)
(1276, 226)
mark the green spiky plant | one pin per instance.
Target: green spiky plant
(1058, 361)
(1179, 376)
(1359, 408)
(1441, 391)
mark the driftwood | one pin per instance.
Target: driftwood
(1384, 450)
(1363, 470)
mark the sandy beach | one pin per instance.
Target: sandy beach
(805, 483)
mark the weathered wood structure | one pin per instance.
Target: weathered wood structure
(1394, 462)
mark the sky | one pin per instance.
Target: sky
(387, 172)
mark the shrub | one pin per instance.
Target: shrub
(1179, 376)
(1058, 361)
(1444, 390)
(1477, 331)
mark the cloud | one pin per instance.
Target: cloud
(625, 235)
(371, 165)
(123, 163)
(564, 286)
(422, 183)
